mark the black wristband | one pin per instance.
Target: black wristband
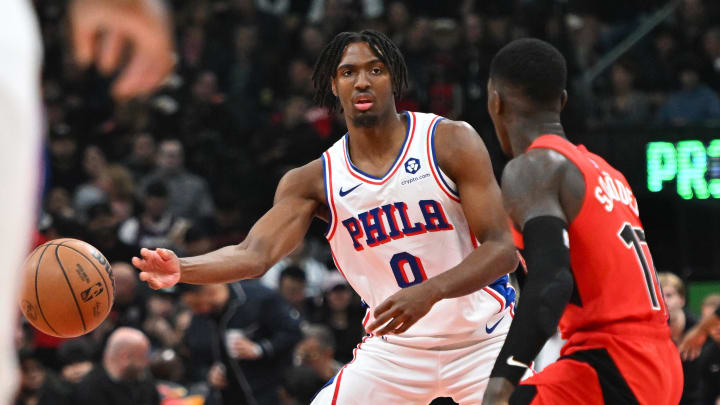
(547, 291)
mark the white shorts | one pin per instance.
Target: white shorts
(20, 134)
(386, 373)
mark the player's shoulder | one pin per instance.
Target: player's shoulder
(458, 146)
(305, 181)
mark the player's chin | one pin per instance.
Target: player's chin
(365, 119)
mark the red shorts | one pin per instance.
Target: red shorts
(603, 368)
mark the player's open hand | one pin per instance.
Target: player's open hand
(402, 310)
(692, 343)
(160, 268)
(104, 31)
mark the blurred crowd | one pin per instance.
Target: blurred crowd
(192, 167)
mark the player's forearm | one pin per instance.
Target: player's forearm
(487, 263)
(224, 265)
(541, 306)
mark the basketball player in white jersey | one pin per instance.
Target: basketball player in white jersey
(140, 23)
(415, 223)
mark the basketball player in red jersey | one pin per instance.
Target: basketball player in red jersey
(589, 267)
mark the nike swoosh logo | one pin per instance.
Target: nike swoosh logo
(492, 328)
(343, 193)
(512, 362)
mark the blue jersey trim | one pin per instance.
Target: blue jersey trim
(327, 384)
(400, 153)
(435, 162)
(327, 197)
(506, 291)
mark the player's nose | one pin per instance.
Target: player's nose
(362, 82)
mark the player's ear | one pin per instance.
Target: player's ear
(496, 103)
(563, 99)
(333, 87)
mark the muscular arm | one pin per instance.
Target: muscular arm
(299, 197)
(462, 155)
(543, 192)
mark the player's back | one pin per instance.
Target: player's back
(616, 286)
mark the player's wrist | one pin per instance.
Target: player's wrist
(434, 290)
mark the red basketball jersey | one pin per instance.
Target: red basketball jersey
(616, 285)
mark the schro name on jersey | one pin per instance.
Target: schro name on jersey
(611, 190)
(371, 224)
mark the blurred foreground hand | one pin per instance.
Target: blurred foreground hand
(134, 35)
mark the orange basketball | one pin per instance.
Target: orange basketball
(68, 288)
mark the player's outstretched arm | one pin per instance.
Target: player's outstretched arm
(102, 30)
(543, 192)
(695, 338)
(462, 155)
(299, 197)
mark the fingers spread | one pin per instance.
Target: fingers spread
(110, 50)
(380, 320)
(165, 254)
(390, 327)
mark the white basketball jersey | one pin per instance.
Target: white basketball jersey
(398, 230)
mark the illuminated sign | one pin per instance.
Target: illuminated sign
(693, 166)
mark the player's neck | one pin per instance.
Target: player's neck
(379, 141)
(524, 130)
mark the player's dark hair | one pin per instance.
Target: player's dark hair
(381, 46)
(537, 68)
(294, 273)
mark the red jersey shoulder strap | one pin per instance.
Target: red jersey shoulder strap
(576, 154)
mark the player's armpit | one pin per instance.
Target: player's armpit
(299, 196)
(462, 155)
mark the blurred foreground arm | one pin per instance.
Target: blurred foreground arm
(695, 338)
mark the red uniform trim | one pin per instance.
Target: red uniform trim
(328, 176)
(432, 166)
(398, 163)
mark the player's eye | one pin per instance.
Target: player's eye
(345, 73)
(376, 70)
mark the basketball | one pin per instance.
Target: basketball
(68, 288)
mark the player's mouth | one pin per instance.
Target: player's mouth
(363, 103)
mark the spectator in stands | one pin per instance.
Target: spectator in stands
(95, 190)
(709, 359)
(38, 385)
(317, 351)
(142, 157)
(681, 320)
(240, 337)
(102, 232)
(711, 48)
(341, 312)
(315, 271)
(625, 106)
(129, 306)
(694, 103)
(123, 377)
(76, 359)
(160, 323)
(292, 287)
(189, 196)
(156, 226)
(300, 384)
